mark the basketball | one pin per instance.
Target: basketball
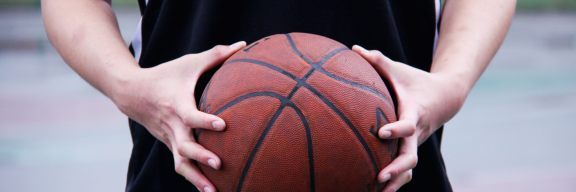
(302, 113)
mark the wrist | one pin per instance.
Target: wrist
(456, 83)
(121, 81)
(452, 93)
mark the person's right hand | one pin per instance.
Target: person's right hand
(162, 100)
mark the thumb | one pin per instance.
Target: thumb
(215, 56)
(391, 70)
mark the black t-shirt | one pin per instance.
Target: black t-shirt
(403, 30)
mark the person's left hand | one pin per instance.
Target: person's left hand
(425, 102)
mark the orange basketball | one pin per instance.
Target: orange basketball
(302, 113)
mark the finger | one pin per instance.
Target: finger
(187, 147)
(185, 168)
(165, 133)
(405, 127)
(396, 183)
(380, 62)
(197, 119)
(406, 160)
(394, 71)
(195, 151)
(215, 56)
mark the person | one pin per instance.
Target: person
(431, 60)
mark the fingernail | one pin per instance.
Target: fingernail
(207, 189)
(362, 49)
(385, 178)
(385, 134)
(236, 45)
(218, 125)
(212, 163)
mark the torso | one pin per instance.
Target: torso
(403, 30)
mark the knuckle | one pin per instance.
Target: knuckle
(206, 120)
(188, 57)
(394, 172)
(189, 120)
(198, 120)
(411, 128)
(167, 105)
(181, 149)
(198, 155)
(178, 167)
(196, 181)
(413, 161)
(194, 120)
(378, 57)
(220, 47)
(409, 176)
(178, 170)
(219, 50)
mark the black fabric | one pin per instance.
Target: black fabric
(430, 172)
(401, 29)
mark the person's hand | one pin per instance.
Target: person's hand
(425, 102)
(162, 100)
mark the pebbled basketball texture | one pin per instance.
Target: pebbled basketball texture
(302, 113)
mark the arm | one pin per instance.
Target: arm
(86, 35)
(161, 98)
(470, 34)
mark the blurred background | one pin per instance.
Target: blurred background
(515, 133)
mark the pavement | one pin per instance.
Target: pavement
(515, 132)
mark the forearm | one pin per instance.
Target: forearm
(471, 32)
(86, 35)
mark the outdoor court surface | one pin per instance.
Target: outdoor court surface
(516, 131)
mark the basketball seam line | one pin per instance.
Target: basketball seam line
(379, 113)
(310, 148)
(257, 146)
(299, 84)
(303, 80)
(284, 102)
(202, 105)
(325, 100)
(203, 98)
(250, 47)
(355, 84)
(334, 108)
(347, 121)
(293, 91)
(318, 66)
